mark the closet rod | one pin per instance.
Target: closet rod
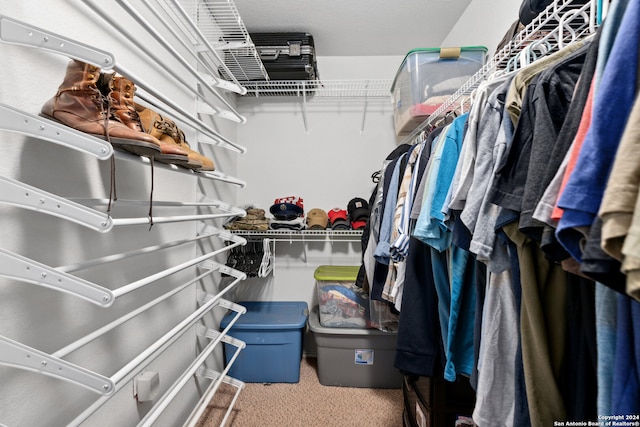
(100, 332)
(230, 115)
(14, 120)
(19, 194)
(21, 268)
(213, 175)
(153, 415)
(127, 373)
(222, 177)
(227, 208)
(217, 378)
(162, 220)
(147, 250)
(194, 122)
(173, 335)
(154, 277)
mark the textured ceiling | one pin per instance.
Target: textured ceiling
(357, 27)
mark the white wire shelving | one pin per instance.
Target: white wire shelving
(332, 89)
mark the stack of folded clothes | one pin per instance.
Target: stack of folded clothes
(255, 220)
(288, 213)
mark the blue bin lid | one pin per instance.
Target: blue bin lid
(269, 315)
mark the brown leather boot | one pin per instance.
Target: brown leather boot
(121, 92)
(80, 104)
(165, 129)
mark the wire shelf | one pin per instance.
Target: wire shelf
(302, 233)
(220, 23)
(352, 89)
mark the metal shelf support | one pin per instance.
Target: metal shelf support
(18, 355)
(14, 120)
(19, 194)
(13, 31)
(27, 270)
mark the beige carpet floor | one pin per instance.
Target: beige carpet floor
(305, 404)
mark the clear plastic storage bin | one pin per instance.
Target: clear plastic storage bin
(426, 78)
(342, 304)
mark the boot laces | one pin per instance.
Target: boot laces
(105, 102)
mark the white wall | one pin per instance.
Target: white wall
(483, 23)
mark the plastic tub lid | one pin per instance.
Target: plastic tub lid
(337, 273)
(269, 315)
(428, 50)
(316, 327)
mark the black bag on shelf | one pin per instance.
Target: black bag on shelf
(287, 55)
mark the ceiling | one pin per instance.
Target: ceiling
(357, 27)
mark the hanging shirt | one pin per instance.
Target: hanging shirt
(400, 239)
(463, 176)
(613, 101)
(430, 227)
(382, 252)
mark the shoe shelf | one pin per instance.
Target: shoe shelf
(211, 94)
(128, 372)
(21, 356)
(302, 235)
(16, 32)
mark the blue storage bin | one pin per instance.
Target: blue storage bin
(273, 333)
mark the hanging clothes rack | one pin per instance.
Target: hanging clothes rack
(563, 21)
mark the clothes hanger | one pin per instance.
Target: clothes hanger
(266, 266)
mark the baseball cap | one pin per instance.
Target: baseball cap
(357, 225)
(358, 209)
(338, 218)
(317, 219)
(287, 208)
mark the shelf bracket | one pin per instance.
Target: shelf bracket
(364, 108)
(25, 196)
(16, 266)
(304, 108)
(21, 356)
(14, 120)
(13, 31)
